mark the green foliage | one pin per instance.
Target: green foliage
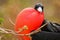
(7, 36)
(1, 20)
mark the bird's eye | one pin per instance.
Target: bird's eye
(39, 7)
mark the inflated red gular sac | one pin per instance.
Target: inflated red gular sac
(29, 19)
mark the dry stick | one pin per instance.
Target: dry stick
(3, 31)
(8, 31)
(9, 19)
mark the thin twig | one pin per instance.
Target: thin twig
(9, 19)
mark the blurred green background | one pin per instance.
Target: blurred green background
(10, 9)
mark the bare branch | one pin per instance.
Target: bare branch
(9, 19)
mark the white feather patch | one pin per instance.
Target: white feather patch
(39, 9)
